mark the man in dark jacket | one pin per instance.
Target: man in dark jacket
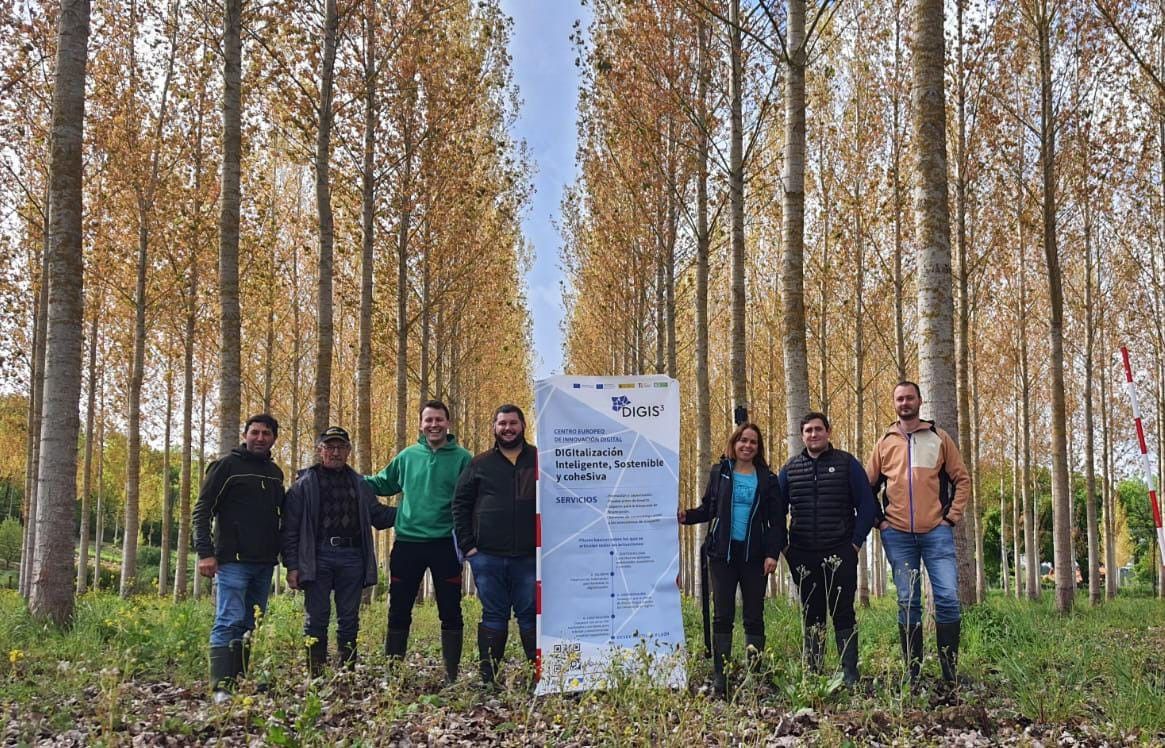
(243, 494)
(493, 516)
(327, 545)
(832, 510)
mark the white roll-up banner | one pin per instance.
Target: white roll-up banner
(608, 541)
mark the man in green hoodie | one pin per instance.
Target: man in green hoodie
(425, 474)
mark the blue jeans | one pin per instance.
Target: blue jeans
(240, 587)
(906, 552)
(339, 571)
(504, 582)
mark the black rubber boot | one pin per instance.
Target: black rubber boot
(491, 645)
(396, 641)
(721, 653)
(910, 639)
(813, 648)
(529, 643)
(222, 674)
(317, 657)
(754, 651)
(451, 652)
(847, 650)
(530, 649)
(947, 638)
(238, 658)
(346, 654)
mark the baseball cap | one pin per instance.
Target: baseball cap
(332, 433)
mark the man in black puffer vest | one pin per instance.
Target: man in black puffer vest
(828, 496)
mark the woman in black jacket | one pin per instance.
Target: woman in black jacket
(744, 539)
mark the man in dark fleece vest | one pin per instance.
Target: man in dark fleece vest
(243, 494)
(425, 474)
(494, 514)
(831, 510)
(327, 546)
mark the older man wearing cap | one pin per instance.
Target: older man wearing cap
(327, 545)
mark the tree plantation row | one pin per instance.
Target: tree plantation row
(307, 209)
(313, 209)
(794, 205)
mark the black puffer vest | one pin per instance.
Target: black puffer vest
(820, 503)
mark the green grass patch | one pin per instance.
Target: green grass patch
(136, 666)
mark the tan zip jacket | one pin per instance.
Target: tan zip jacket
(924, 477)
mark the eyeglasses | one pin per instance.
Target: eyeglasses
(335, 447)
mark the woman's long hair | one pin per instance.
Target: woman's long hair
(760, 443)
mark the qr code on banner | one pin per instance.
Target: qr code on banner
(569, 654)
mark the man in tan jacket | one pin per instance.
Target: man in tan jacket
(926, 488)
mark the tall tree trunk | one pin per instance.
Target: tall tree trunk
(898, 137)
(230, 366)
(324, 326)
(736, 201)
(965, 532)
(402, 267)
(860, 355)
(87, 469)
(368, 225)
(99, 523)
(793, 234)
(51, 589)
(824, 291)
(133, 449)
(703, 248)
(185, 481)
(936, 352)
(1095, 595)
(1061, 510)
(201, 471)
(167, 495)
(35, 407)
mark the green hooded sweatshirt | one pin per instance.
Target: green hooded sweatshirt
(427, 479)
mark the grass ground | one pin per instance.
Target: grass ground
(134, 672)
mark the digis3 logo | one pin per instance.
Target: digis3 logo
(621, 404)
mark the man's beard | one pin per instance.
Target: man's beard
(511, 443)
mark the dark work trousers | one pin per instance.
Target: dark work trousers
(339, 571)
(406, 567)
(725, 576)
(827, 582)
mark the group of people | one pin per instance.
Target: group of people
(453, 506)
(818, 510)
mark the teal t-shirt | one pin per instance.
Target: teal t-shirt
(743, 492)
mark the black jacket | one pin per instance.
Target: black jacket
(301, 523)
(766, 534)
(243, 494)
(494, 504)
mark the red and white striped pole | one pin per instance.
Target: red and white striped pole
(1149, 481)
